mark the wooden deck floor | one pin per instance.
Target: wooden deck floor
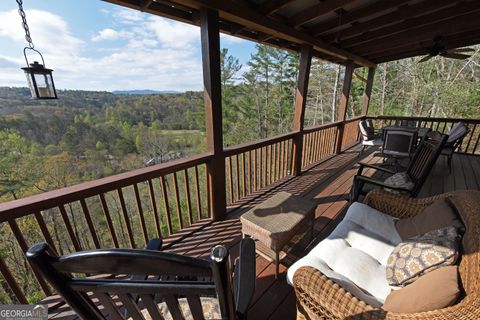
(328, 184)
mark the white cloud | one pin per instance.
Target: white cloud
(111, 34)
(152, 52)
(49, 32)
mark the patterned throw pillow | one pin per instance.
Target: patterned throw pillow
(399, 180)
(421, 254)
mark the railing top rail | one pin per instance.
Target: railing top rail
(435, 119)
(355, 119)
(322, 126)
(257, 144)
(17, 208)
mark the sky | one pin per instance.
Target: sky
(94, 45)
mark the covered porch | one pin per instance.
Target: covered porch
(195, 203)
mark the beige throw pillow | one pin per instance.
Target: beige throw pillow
(435, 290)
(416, 256)
(439, 214)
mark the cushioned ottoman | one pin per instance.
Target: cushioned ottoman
(355, 254)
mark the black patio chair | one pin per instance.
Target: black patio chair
(455, 139)
(410, 181)
(164, 289)
(370, 136)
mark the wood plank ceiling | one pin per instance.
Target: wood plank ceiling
(366, 32)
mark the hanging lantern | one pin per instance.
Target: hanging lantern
(40, 80)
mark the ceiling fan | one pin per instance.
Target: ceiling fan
(439, 50)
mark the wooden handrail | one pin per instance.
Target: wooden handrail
(18, 208)
(233, 150)
(424, 118)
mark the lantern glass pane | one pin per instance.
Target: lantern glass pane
(44, 85)
(30, 83)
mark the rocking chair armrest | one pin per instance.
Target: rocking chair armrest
(244, 277)
(155, 244)
(372, 166)
(379, 183)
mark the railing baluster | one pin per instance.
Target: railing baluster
(24, 246)
(126, 217)
(197, 191)
(249, 171)
(90, 225)
(471, 133)
(244, 174)
(153, 202)
(237, 178)
(255, 166)
(44, 229)
(230, 171)
(177, 200)
(141, 217)
(12, 283)
(108, 218)
(264, 167)
(68, 225)
(270, 173)
(166, 204)
(189, 201)
(209, 190)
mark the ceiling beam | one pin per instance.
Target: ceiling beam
(453, 41)
(459, 9)
(228, 10)
(352, 16)
(271, 6)
(316, 11)
(400, 14)
(443, 28)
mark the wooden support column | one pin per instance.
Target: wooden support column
(368, 91)
(300, 103)
(342, 111)
(210, 34)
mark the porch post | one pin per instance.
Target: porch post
(300, 103)
(213, 111)
(368, 90)
(342, 111)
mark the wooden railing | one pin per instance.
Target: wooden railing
(351, 134)
(470, 144)
(319, 143)
(132, 207)
(254, 166)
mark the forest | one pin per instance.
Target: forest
(86, 135)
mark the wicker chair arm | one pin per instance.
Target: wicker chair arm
(320, 298)
(399, 206)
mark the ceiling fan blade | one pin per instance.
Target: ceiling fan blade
(453, 55)
(461, 50)
(426, 58)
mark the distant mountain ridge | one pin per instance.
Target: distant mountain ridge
(146, 91)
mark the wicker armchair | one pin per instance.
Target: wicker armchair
(320, 298)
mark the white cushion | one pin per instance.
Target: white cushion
(374, 142)
(355, 254)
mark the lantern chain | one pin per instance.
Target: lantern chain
(24, 24)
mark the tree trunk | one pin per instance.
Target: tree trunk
(384, 88)
(335, 92)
